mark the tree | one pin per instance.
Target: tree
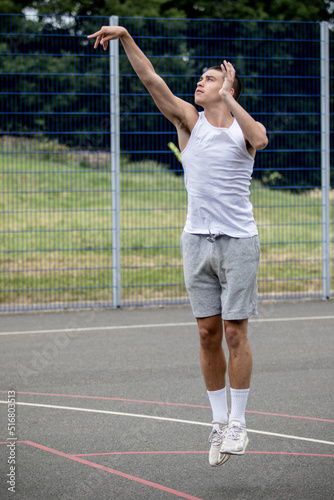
(281, 10)
(14, 6)
(122, 8)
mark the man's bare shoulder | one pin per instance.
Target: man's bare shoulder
(185, 126)
(185, 121)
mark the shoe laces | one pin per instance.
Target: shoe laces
(233, 431)
(216, 436)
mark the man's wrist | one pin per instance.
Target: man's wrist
(226, 96)
(124, 33)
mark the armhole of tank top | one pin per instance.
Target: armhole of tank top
(191, 133)
(243, 142)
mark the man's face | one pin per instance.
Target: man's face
(208, 87)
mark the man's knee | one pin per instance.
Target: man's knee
(235, 333)
(210, 332)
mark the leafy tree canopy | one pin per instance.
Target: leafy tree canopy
(14, 6)
(285, 10)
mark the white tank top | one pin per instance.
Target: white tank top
(217, 173)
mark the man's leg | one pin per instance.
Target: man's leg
(213, 365)
(240, 360)
(240, 368)
(212, 357)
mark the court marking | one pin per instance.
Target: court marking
(199, 452)
(112, 471)
(11, 441)
(155, 325)
(192, 452)
(165, 419)
(105, 398)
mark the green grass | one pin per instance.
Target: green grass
(56, 239)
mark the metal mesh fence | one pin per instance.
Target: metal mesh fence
(57, 238)
(331, 154)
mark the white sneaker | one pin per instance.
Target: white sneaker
(235, 439)
(216, 439)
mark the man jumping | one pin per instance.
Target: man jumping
(219, 243)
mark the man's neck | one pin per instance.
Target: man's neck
(218, 116)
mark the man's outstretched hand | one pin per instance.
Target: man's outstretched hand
(105, 34)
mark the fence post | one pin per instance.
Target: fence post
(325, 157)
(115, 165)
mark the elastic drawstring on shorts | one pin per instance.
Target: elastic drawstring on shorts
(212, 237)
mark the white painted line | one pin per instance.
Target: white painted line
(156, 325)
(296, 318)
(165, 419)
(99, 328)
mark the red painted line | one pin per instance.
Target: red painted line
(168, 404)
(138, 453)
(13, 441)
(288, 453)
(110, 399)
(170, 452)
(113, 471)
(199, 452)
(290, 416)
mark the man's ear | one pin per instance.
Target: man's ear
(232, 92)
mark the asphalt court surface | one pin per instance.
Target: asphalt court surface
(112, 405)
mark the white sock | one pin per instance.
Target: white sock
(218, 402)
(238, 404)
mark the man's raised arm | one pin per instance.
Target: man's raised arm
(179, 112)
(254, 132)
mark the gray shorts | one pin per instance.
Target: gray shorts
(220, 276)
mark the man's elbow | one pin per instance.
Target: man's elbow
(260, 138)
(260, 143)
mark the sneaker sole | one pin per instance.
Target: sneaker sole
(226, 457)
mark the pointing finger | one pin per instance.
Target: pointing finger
(94, 35)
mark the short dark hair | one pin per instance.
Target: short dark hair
(237, 87)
